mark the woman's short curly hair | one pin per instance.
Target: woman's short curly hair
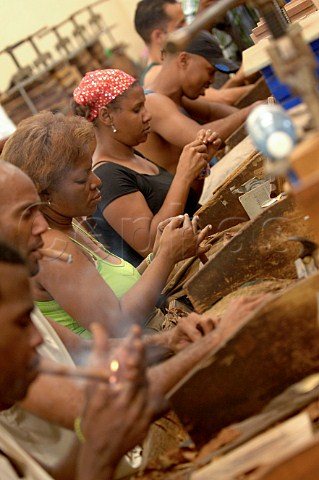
(48, 145)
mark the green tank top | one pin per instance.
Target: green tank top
(120, 278)
(147, 69)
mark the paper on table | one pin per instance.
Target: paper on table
(253, 200)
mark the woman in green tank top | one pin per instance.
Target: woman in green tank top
(56, 152)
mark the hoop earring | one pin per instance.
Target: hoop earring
(113, 128)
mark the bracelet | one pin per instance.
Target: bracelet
(149, 258)
(78, 429)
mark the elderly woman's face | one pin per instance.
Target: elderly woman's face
(77, 194)
(131, 119)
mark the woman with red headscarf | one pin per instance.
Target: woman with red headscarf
(136, 194)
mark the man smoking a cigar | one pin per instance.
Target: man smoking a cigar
(106, 403)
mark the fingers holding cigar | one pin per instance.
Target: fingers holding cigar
(56, 254)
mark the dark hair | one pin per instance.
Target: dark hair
(46, 146)
(149, 15)
(82, 111)
(85, 110)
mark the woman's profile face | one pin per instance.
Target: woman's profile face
(77, 193)
(130, 117)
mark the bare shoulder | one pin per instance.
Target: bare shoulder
(159, 100)
(53, 234)
(60, 242)
(151, 75)
(162, 108)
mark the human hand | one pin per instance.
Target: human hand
(190, 329)
(159, 232)
(239, 310)
(117, 414)
(193, 160)
(211, 139)
(182, 239)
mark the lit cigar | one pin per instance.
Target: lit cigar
(57, 255)
(84, 373)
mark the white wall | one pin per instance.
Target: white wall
(21, 18)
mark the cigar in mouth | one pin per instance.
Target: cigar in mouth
(57, 255)
(84, 373)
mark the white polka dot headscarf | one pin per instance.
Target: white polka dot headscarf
(100, 87)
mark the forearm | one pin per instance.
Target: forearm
(226, 126)
(139, 301)
(73, 342)
(158, 347)
(175, 201)
(94, 467)
(220, 111)
(227, 95)
(164, 377)
(83, 462)
(161, 339)
(235, 80)
(203, 111)
(76, 345)
(66, 468)
(173, 205)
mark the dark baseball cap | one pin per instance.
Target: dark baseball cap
(205, 45)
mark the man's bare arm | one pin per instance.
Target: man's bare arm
(66, 397)
(163, 377)
(176, 128)
(227, 95)
(203, 111)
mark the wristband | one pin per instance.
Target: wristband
(149, 258)
(78, 429)
(205, 172)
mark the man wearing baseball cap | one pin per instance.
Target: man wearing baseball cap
(173, 101)
(206, 46)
